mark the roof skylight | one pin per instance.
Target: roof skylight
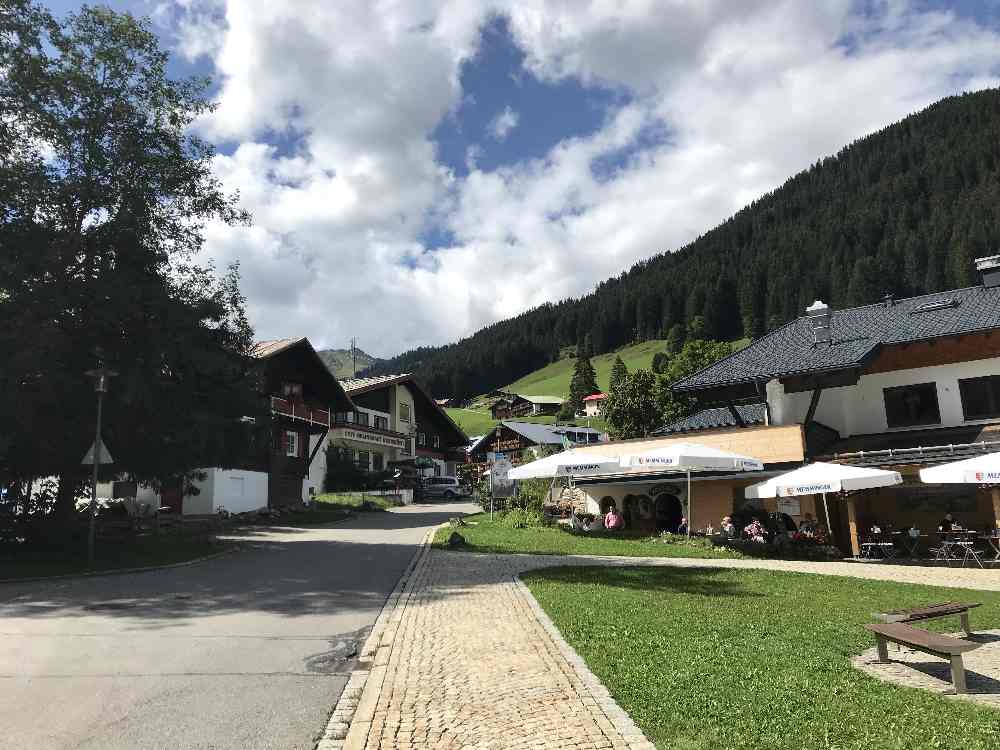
(937, 304)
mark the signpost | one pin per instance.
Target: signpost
(500, 484)
(97, 454)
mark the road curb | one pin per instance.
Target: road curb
(595, 689)
(123, 571)
(351, 720)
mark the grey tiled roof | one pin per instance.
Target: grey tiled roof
(358, 384)
(708, 419)
(855, 336)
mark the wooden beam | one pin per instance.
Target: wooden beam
(852, 524)
(316, 449)
(737, 417)
(813, 403)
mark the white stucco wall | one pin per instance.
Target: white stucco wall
(860, 409)
(236, 491)
(317, 469)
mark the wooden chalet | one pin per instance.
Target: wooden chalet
(303, 395)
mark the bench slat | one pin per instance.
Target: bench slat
(930, 612)
(907, 635)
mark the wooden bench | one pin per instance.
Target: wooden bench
(943, 646)
(931, 612)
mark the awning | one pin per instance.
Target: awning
(571, 463)
(691, 457)
(821, 478)
(978, 470)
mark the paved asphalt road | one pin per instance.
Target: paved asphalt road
(247, 651)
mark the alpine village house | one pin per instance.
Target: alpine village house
(901, 384)
(380, 421)
(395, 422)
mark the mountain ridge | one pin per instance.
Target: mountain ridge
(339, 362)
(903, 210)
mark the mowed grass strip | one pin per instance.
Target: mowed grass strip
(483, 535)
(166, 549)
(757, 659)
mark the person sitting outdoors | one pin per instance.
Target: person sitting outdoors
(948, 523)
(613, 520)
(727, 527)
(808, 525)
(682, 527)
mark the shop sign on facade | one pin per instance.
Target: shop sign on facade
(362, 436)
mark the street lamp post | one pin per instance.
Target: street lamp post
(101, 376)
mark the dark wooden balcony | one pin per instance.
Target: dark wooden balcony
(300, 411)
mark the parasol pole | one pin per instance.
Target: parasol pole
(826, 512)
(689, 504)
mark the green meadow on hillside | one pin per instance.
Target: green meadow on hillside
(553, 379)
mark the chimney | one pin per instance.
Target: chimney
(889, 299)
(989, 268)
(819, 321)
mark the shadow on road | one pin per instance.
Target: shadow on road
(288, 572)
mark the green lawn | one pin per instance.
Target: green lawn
(483, 535)
(756, 659)
(150, 551)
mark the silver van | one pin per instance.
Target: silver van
(448, 488)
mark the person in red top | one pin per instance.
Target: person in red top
(613, 519)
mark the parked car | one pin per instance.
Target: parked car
(448, 488)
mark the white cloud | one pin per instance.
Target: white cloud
(748, 93)
(503, 123)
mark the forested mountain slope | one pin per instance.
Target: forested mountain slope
(904, 210)
(341, 361)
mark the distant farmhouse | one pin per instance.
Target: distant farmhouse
(593, 404)
(520, 439)
(516, 405)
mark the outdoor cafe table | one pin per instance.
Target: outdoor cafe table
(958, 546)
(908, 542)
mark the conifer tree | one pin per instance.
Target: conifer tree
(618, 374)
(583, 384)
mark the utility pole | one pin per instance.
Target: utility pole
(354, 356)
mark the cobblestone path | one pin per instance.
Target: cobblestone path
(470, 661)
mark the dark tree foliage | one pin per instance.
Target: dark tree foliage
(696, 355)
(631, 410)
(902, 211)
(103, 196)
(619, 372)
(583, 384)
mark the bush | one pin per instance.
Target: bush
(522, 518)
(531, 494)
(667, 537)
(784, 549)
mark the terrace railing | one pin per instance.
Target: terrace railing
(300, 410)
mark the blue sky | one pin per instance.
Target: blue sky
(418, 170)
